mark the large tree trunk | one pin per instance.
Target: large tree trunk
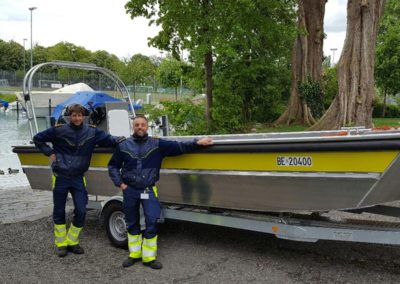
(307, 58)
(353, 104)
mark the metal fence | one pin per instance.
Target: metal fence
(95, 80)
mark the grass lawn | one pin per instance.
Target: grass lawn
(8, 97)
(379, 122)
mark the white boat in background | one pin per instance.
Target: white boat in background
(16, 105)
(46, 101)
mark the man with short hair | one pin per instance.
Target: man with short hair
(72, 147)
(135, 168)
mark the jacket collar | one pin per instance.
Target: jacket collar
(73, 126)
(138, 138)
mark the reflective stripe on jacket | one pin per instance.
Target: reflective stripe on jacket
(137, 162)
(73, 147)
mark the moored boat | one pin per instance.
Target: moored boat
(312, 171)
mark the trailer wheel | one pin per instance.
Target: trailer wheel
(114, 222)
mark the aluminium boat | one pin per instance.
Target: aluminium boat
(275, 172)
(313, 171)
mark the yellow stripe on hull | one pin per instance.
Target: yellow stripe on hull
(363, 162)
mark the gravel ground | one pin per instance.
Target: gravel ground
(191, 253)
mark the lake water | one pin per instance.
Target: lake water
(12, 132)
(17, 200)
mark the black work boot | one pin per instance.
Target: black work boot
(77, 249)
(61, 251)
(130, 261)
(154, 264)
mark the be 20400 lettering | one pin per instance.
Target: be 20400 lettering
(294, 161)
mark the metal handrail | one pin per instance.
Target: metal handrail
(27, 86)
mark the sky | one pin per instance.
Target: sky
(104, 25)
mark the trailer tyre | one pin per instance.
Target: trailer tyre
(114, 222)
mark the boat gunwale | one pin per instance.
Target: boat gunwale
(296, 146)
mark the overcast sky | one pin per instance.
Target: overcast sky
(104, 25)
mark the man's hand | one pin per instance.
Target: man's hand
(53, 157)
(206, 141)
(123, 186)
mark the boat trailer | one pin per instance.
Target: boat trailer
(310, 227)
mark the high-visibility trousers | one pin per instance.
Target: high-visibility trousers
(149, 249)
(77, 187)
(135, 245)
(73, 235)
(60, 235)
(151, 209)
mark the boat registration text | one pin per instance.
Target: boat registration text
(294, 161)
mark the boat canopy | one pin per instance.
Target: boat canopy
(90, 100)
(3, 103)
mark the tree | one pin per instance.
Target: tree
(69, 52)
(11, 55)
(169, 74)
(185, 24)
(209, 29)
(307, 56)
(139, 69)
(353, 104)
(106, 60)
(387, 67)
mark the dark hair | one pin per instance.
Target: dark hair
(77, 108)
(140, 116)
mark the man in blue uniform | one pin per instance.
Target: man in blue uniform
(72, 147)
(135, 168)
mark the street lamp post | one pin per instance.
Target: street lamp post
(25, 39)
(333, 55)
(31, 9)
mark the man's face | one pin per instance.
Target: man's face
(140, 126)
(76, 118)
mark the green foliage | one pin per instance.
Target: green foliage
(170, 73)
(387, 63)
(140, 69)
(106, 60)
(227, 109)
(391, 111)
(11, 55)
(8, 97)
(381, 122)
(246, 39)
(329, 85)
(311, 92)
(185, 117)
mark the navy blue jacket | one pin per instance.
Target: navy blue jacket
(73, 146)
(137, 160)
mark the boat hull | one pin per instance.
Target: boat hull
(257, 177)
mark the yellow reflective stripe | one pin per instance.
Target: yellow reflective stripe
(60, 228)
(149, 249)
(152, 243)
(155, 191)
(53, 181)
(60, 240)
(60, 235)
(73, 235)
(134, 238)
(74, 229)
(135, 245)
(84, 181)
